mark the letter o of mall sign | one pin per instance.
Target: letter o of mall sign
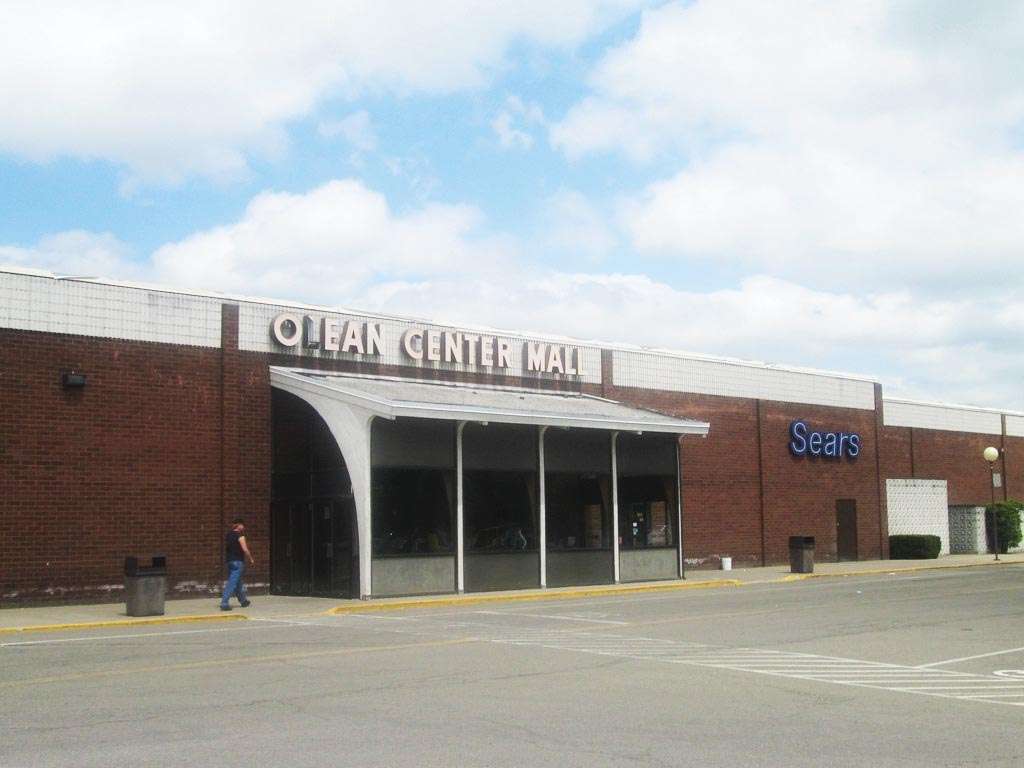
(287, 330)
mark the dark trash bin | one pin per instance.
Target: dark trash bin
(145, 586)
(801, 554)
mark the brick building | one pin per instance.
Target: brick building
(375, 455)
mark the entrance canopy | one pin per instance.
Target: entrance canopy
(350, 404)
(390, 398)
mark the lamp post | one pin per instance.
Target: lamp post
(991, 455)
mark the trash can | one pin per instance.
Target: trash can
(145, 586)
(801, 554)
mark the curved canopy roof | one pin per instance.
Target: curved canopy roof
(391, 398)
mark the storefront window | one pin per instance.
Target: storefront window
(413, 476)
(500, 488)
(647, 491)
(578, 489)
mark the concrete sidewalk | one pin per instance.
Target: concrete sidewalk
(52, 618)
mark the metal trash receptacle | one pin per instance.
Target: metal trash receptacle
(801, 554)
(145, 586)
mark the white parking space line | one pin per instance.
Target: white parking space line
(556, 617)
(134, 636)
(970, 658)
(808, 667)
(252, 624)
(290, 622)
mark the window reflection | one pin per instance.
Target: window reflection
(500, 502)
(413, 478)
(578, 487)
(647, 491)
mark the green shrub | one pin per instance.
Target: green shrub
(1008, 516)
(916, 547)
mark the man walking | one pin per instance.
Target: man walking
(236, 552)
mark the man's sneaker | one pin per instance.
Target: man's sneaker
(246, 604)
(225, 607)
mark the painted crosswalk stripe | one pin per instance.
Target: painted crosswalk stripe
(813, 668)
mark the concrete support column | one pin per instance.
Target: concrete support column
(543, 524)
(350, 426)
(615, 508)
(460, 554)
(679, 509)
(364, 511)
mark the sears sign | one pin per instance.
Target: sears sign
(831, 445)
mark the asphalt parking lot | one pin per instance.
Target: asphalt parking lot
(912, 669)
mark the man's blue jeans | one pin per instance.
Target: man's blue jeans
(234, 585)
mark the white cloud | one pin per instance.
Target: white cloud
(936, 350)
(508, 136)
(576, 226)
(844, 144)
(328, 245)
(75, 253)
(342, 244)
(356, 129)
(516, 113)
(175, 89)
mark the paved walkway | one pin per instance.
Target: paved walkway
(275, 606)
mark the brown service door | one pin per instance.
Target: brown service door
(846, 529)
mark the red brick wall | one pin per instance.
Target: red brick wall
(166, 443)
(1013, 455)
(726, 494)
(127, 465)
(956, 457)
(896, 458)
(801, 492)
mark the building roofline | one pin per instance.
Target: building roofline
(541, 336)
(951, 406)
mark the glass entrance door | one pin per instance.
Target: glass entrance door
(332, 548)
(312, 549)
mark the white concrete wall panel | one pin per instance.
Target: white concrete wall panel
(81, 308)
(919, 507)
(649, 370)
(950, 418)
(967, 530)
(254, 336)
(1015, 426)
(35, 300)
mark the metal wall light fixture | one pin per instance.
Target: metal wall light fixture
(72, 380)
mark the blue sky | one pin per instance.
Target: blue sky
(835, 187)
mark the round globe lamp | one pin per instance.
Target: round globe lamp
(991, 455)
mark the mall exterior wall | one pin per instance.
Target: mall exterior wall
(162, 445)
(931, 441)
(745, 493)
(170, 437)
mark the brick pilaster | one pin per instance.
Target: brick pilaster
(229, 415)
(883, 511)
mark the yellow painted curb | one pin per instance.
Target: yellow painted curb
(895, 571)
(440, 602)
(123, 623)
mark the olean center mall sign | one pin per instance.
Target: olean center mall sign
(423, 345)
